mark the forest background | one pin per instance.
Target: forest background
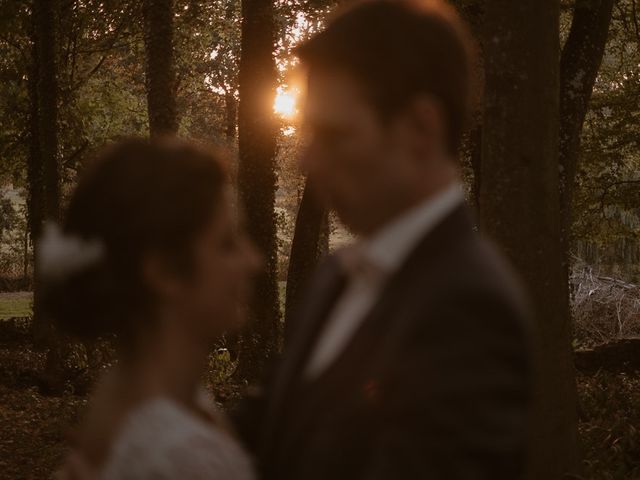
(551, 166)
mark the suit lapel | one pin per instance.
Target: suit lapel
(407, 286)
(321, 298)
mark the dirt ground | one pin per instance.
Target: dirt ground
(33, 427)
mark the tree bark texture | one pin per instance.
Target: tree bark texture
(44, 170)
(473, 13)
(160, 72)
(520, 205)
(35, 176)
(257, 130)
(44, 176)
(310, 243)
(619, 356)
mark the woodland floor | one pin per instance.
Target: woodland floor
(33, 427)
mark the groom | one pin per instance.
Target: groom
(410, 357)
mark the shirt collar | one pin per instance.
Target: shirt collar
(391, 245)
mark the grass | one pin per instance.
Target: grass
(16, 304)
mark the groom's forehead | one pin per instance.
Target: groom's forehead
(333, 95)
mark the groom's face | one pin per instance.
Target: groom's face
(363, 167)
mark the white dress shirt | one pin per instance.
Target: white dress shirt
(370, 262)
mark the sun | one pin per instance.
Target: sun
(286, 102)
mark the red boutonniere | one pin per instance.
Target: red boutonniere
(372, 390)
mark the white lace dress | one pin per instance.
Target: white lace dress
(164, 441)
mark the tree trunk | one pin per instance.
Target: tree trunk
(473, 12)
(231, 117)
(520, 205)
(35, 201)
(580, 61)
(44, 174)
(475, 154)
(25, 256)
(617, 356)
(310, 243)
(257, 130)
(160, 73)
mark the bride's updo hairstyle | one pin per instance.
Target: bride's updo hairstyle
(138, 196)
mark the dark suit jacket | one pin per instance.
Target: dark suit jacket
(436, 383)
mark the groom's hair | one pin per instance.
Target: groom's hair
(397, 49)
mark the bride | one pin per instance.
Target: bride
(149, 252)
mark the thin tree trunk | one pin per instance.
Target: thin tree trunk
(310, 243)
(44, 166)
(520, 205)
(231, 117)
(160, 73)
(44, 173)
(25, 256)
(257, 130)
(475, 153)
(473, 12)
(35, 201)
(580, 61)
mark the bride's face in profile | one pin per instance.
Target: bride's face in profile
(212, 299)
(225, 263)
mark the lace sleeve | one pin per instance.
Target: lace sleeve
(163, 442)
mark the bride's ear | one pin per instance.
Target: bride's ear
(159, 277)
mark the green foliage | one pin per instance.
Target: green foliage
(607, 190)
(207, 54)
(220, 369)
(15, 57)
(102, 84)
